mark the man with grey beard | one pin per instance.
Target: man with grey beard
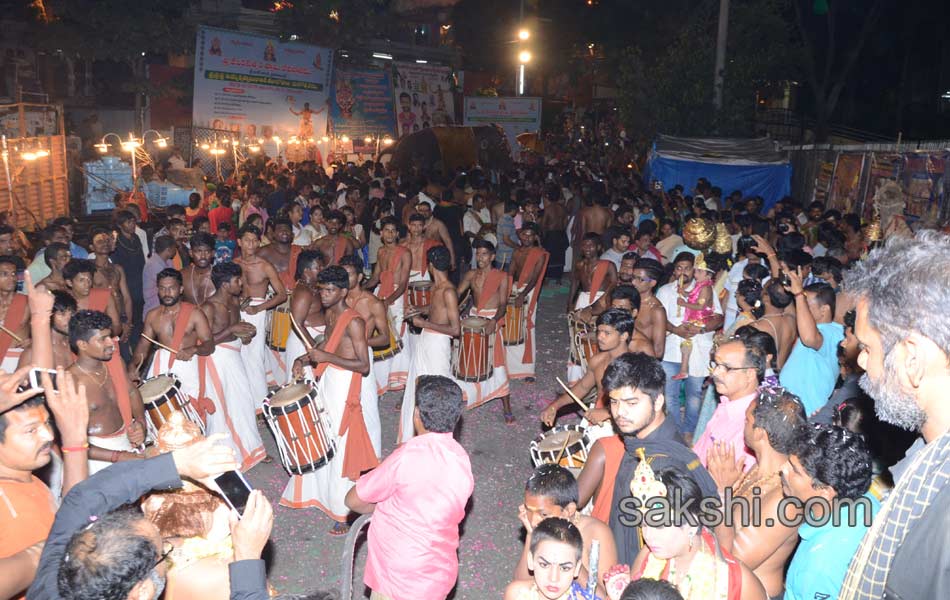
(903, 330)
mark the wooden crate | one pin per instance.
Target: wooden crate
(40, 187)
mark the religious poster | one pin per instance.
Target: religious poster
(514, 115)
(259, 87)
(423, 96)
(361, 105)
(922, 179)
(882, 167)
(846, 183)
(826, 171)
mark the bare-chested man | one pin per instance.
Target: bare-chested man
(593, 217)
(651, 318)
(280, 252)
(628, 262)
(592, 276)
(226, 381)
(392, 259)
(335, 245)
(264, 366)
(489, 288)
(627, 298)
(197, 275)
(64, 307)
(777, 320)
(112, 277)
(78, 274)
(528, 265)
(434, 228)
(14, 315)
(342, 361)
(116, 416)
(307, 310)
(419, 245)
(56, 255)
(554, 222)
(432, 353)
(371, 309)
(614, 328)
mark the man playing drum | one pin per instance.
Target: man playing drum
(594, 278)
(281, 253)
(419, 245)
(627, 298)
(307, 311)
(651, 318)
(264, 366)
(183, 328)
(342, 361)
(116, 416)
(614, 329)
(489, 287)
(529, 263)
(225, 379)
(433, 351)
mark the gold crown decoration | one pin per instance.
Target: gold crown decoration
(722, 244)
(700, 262)
(874, 232)
(699, 233)
(644, 485)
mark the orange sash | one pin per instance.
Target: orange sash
(387, 278)
(289, 277)
(359, 455)
(426, 246)
(203, 405)
(597, 278)
(99, 300)
(534, 255)
(613, 454)
(492, 282)
(14, 318)
(339, 249)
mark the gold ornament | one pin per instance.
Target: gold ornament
(700, 262)
(873, 232)
(644, 485)
(723, 242)
(699, 233)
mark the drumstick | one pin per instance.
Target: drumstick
(159, 344)
(303, 338)
(15, 337)
(571, 394)
(567, 440)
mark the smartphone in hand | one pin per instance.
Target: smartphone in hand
(235, 489)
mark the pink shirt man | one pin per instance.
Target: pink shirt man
(420, 492)
(727, 425)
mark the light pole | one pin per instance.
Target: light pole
(721, 37)
(524, 57)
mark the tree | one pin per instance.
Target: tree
(118, 30)
(334, 23)
(831, 53)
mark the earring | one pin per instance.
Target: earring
(691, 540)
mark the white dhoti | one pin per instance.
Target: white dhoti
(574, 370)
(326, 487)
(369, 403)
(264, 366)
(116, 441)
(520, 363)
(296, 349)
(226, 384)
(11, 359)
(185, 370)
(390, 373)
(433, 356)
(477, 393)
(410, 339)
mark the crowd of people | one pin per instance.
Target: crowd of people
(726, 352)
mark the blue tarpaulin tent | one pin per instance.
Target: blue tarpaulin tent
(755, 166)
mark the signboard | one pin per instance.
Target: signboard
(361, 104)
(513, 114)
(259, 87)
(423, 96)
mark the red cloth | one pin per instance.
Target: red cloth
(12, 321)
(613, 454)
(221, 214)
(534, 255)
(597, 278)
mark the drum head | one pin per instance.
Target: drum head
(289, 394)
(420, 285)
(474, 323)
(156, 387)
(554, 441)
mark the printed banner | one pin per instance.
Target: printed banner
(423, 96)
(260, 87)
(513, 114)
(361, 105)
(826, 170)
(846, 182)
(882, 166)
(922, 181)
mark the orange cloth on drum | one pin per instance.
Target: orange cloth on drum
(492, 283)
(534, 255)
(359, 455)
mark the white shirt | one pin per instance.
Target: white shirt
(732, 285)
(702, 343)
(613, 256)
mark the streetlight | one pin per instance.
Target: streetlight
(160, 140)
(524, 57)
(524, 34)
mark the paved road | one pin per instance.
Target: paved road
(305, 557)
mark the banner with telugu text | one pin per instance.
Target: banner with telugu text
(260, 87)
(361, 104)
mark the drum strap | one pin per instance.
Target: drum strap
(181, 324)
(289, 277)
(204, 405)
(426, 246)
(359, 455)
(387, 278)
(120, 383)
(534, 255)
(597, 279)
(339, 249)
(492, 282)
(14, 317)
